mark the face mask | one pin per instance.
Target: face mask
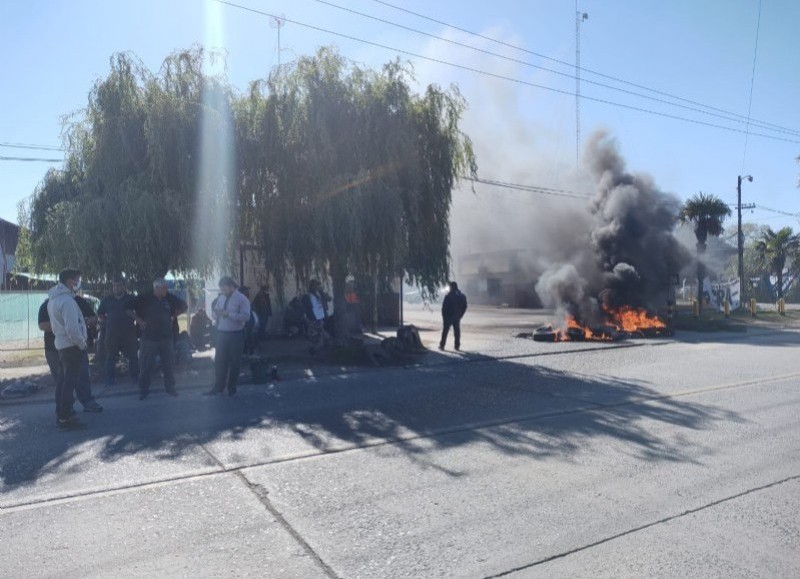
(77, 285)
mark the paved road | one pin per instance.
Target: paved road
(662, 458)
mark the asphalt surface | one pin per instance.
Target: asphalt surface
(659, 458)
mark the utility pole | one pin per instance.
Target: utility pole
(740, 235)
(579, 17)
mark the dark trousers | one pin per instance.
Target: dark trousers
(148, 350)
(262, 326)
(228, 359)
(129, 346)
(71, 365)
(456, 332)
(83, 389)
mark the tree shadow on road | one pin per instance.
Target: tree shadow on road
(508, 406)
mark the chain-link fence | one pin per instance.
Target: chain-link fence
(19, 320)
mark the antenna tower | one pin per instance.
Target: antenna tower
(278, 22)
(579, 17)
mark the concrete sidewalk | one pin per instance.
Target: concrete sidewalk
(291, 357)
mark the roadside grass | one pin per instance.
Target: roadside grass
(739, 320)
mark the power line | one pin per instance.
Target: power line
(577, 67)
(507, 78)
(29, 146)
(530, 188)
(570, 65)
(752, 82)
(778, 211)
(31, 159)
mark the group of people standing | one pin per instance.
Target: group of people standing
(140, 327)
(143, 329)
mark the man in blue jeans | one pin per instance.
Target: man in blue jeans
(83, 389)
(71, 341)
(231, 311)
(155, 313)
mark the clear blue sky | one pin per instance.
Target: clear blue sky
(53, 51)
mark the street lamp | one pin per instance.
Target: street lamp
(740, 236)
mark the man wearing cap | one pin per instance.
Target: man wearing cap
(231, 311)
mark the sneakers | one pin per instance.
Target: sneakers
(92, 406)
(69, 424)
(441, 347)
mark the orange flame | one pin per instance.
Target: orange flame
(626, 319)
(629, 319)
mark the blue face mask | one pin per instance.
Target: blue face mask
(77, 285)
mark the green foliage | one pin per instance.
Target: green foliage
(345, 171)
(706, 213)
(126, 199)
(340, 170)
(773, 250)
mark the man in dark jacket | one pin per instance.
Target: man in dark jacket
(155, 314)
(118, 330)
(453, 308)
(262, 305)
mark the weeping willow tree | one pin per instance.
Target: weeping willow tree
(126, 198)
(345, 171)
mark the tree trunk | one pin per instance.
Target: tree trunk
(780, 283)
(374, 302)
(338, 279)
(701, 274)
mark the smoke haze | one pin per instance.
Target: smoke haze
(605, 235)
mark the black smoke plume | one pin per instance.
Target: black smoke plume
(623, 252)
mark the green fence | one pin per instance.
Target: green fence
(19, 326)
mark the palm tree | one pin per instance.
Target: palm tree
(773, 248)
(706, 213)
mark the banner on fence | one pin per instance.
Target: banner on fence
(717, 292)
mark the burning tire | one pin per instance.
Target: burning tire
(545, 334)
(576, 334)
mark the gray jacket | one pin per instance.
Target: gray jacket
(66, 318)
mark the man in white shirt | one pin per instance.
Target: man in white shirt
(231, 312)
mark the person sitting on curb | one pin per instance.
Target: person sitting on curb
(315, 307)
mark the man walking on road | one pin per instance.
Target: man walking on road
(453, 308)
(155, 313)
(71, 337)
(231, 312)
